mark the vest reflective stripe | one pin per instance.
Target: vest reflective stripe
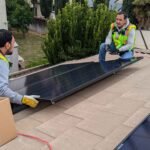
(3, 58)
(120, 39)
(130, 27)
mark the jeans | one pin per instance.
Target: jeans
(102, 52)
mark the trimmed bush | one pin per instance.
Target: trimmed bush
(76, 32)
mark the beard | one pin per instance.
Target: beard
(9, 52)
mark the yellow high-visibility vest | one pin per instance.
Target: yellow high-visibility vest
(120, 38)
(4, 58)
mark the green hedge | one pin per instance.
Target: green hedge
(76, 32)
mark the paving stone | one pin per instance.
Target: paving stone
(24, 143)
(147, 105)
(134, 79)
(92, 90)
(105, 122)
(27, 124)
(120, 89)
(48, 113)
(124, 106)
(146, 35)
(125, 85)
(135, 68)
(139, 41)
(144, 84)
(71, 101)
(85, 110)
(102, 123)
(146, 70)
(114, 138)
(103, 98)
(137, 117)
(39, 134)
(137, 94)
(76, 139)
(143, 51)
(23, 114)
(142, 63)
(128, 71)
(58, 125)
(29, 111)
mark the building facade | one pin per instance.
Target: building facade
(3, 16)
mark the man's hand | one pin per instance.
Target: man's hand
(30, 101)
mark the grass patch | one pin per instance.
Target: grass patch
(30, 49)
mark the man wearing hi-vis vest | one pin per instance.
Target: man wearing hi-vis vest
(120, 39)
(7, 41)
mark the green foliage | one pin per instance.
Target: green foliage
(30, 49)
(80, 1)
(19, 15)
(141, 3)
(76, 32)
(10, 7)
(138, 11)
(46, 7)
(59, 4)
(128, 8)
(102, 1)
(142, 13)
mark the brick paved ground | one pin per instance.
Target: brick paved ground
(96, 118)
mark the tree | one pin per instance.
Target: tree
(10, 7)
(138, 12)
(102, 1)
(59, 4)
(77, 32)
(142, 13)
(19, 15)
(46, 7)
(81, 1)
(128, 8)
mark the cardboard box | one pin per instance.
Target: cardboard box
(7, 124)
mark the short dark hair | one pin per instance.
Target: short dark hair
(5, 36)
(123, 13)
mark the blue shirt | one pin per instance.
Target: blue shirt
(5, 91)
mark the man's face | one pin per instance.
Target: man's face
(120, 21)
(10, 46)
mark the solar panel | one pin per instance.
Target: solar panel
(55, 86)
(138, 139)
(40, 75)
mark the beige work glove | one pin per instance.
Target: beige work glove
(30, 101)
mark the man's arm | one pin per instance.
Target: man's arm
(5, 91)
(130, 42)
(109, 38)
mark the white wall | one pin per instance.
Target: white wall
(3, 17)
(3, 25)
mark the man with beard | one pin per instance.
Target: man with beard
(7, 42)
(120, 39)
